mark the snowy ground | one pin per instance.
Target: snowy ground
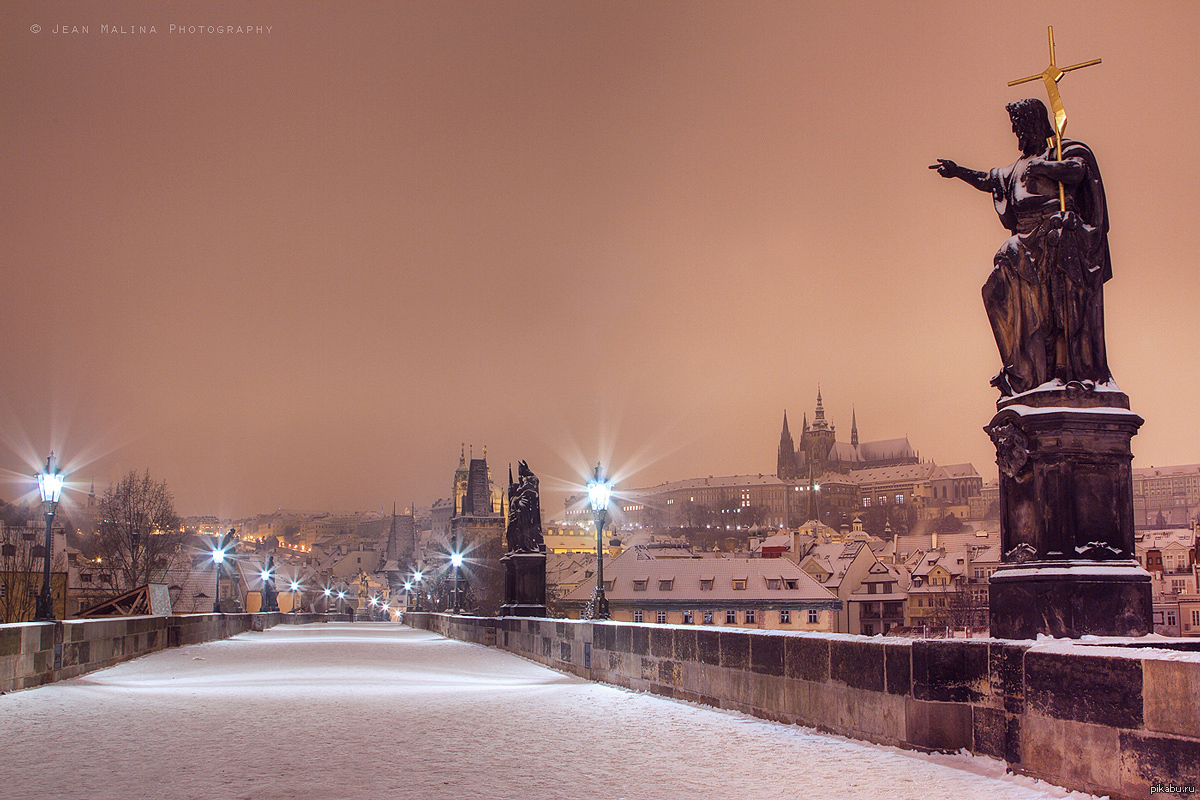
(378, 711)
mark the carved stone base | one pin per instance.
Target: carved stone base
(524, 585)
(1070, 600)
(1066, 516)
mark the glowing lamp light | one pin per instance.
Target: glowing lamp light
(407, 586)
(50, 482)
(328, 592)
(265, 574)
(456, 559)
(417, 576)
(294, 586)
(218, 556)
(599, 491)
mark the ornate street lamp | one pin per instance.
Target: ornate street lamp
(50, 483)
(599, 491)
(218, 557)
(294, 588)
(418, 576)
(456, 560)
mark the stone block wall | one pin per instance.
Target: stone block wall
(1117, 721)
(34, 653)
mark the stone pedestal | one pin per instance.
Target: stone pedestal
(1066, 506)
(524, 585)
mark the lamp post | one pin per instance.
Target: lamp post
(328, 593)
(50, 484)
(218, 557)
(417, 576)
(456, 561)
(599, 490)
(294, 588)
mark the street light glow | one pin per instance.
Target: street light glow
(218, 556)
(50, 482)
(599, 491)
(456, 559)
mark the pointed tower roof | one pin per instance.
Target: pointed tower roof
(819, 423)
(853, 427)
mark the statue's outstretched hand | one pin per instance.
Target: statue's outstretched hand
(946, 168)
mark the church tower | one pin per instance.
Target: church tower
(853, 428)
(819, 439)
(786, 468)
(460, 480)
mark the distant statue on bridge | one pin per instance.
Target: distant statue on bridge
(270, 600)
(524, 533)
(1044, 297)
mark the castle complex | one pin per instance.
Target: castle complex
(820, 453)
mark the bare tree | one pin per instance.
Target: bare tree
(139, 536)
(21, 559)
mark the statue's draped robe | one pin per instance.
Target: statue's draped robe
(1044, 297)
(524, 532)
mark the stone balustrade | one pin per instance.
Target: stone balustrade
(1121, 721)
(34, 653)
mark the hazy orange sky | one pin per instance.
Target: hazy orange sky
(299, 267)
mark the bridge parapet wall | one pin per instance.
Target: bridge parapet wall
(34, 653)
(1104, 719)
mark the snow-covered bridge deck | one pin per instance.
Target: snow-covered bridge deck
(372, 710)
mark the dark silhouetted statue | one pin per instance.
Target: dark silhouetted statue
(524, 533)
(525, 562)
(1044, 297)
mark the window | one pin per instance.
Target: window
(637, 615)
(812, 616)
(866, 502)
(662, 618)
(731, 618)
(889, 587)
(708, 618)
(1171, 620)
(791, 584)
(608, 586)
(785, 617)
(773, 584)
(871, 588)
(639, 586)
(687, 618)
(665, 585)
(739, 584)
(899, 499)
(920, 602)
(1195, 616)
(706, 584)
(750, 616)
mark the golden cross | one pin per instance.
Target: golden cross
(1051, 76)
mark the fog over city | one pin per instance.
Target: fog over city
(298, 254)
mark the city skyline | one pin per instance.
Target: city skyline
(298, 267)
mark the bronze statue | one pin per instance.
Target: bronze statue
(524, 533)
(1044, 297)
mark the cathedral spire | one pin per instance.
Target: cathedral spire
(853, 428)
(785, 468)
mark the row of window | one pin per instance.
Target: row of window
(706, 584)
(749, 617)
